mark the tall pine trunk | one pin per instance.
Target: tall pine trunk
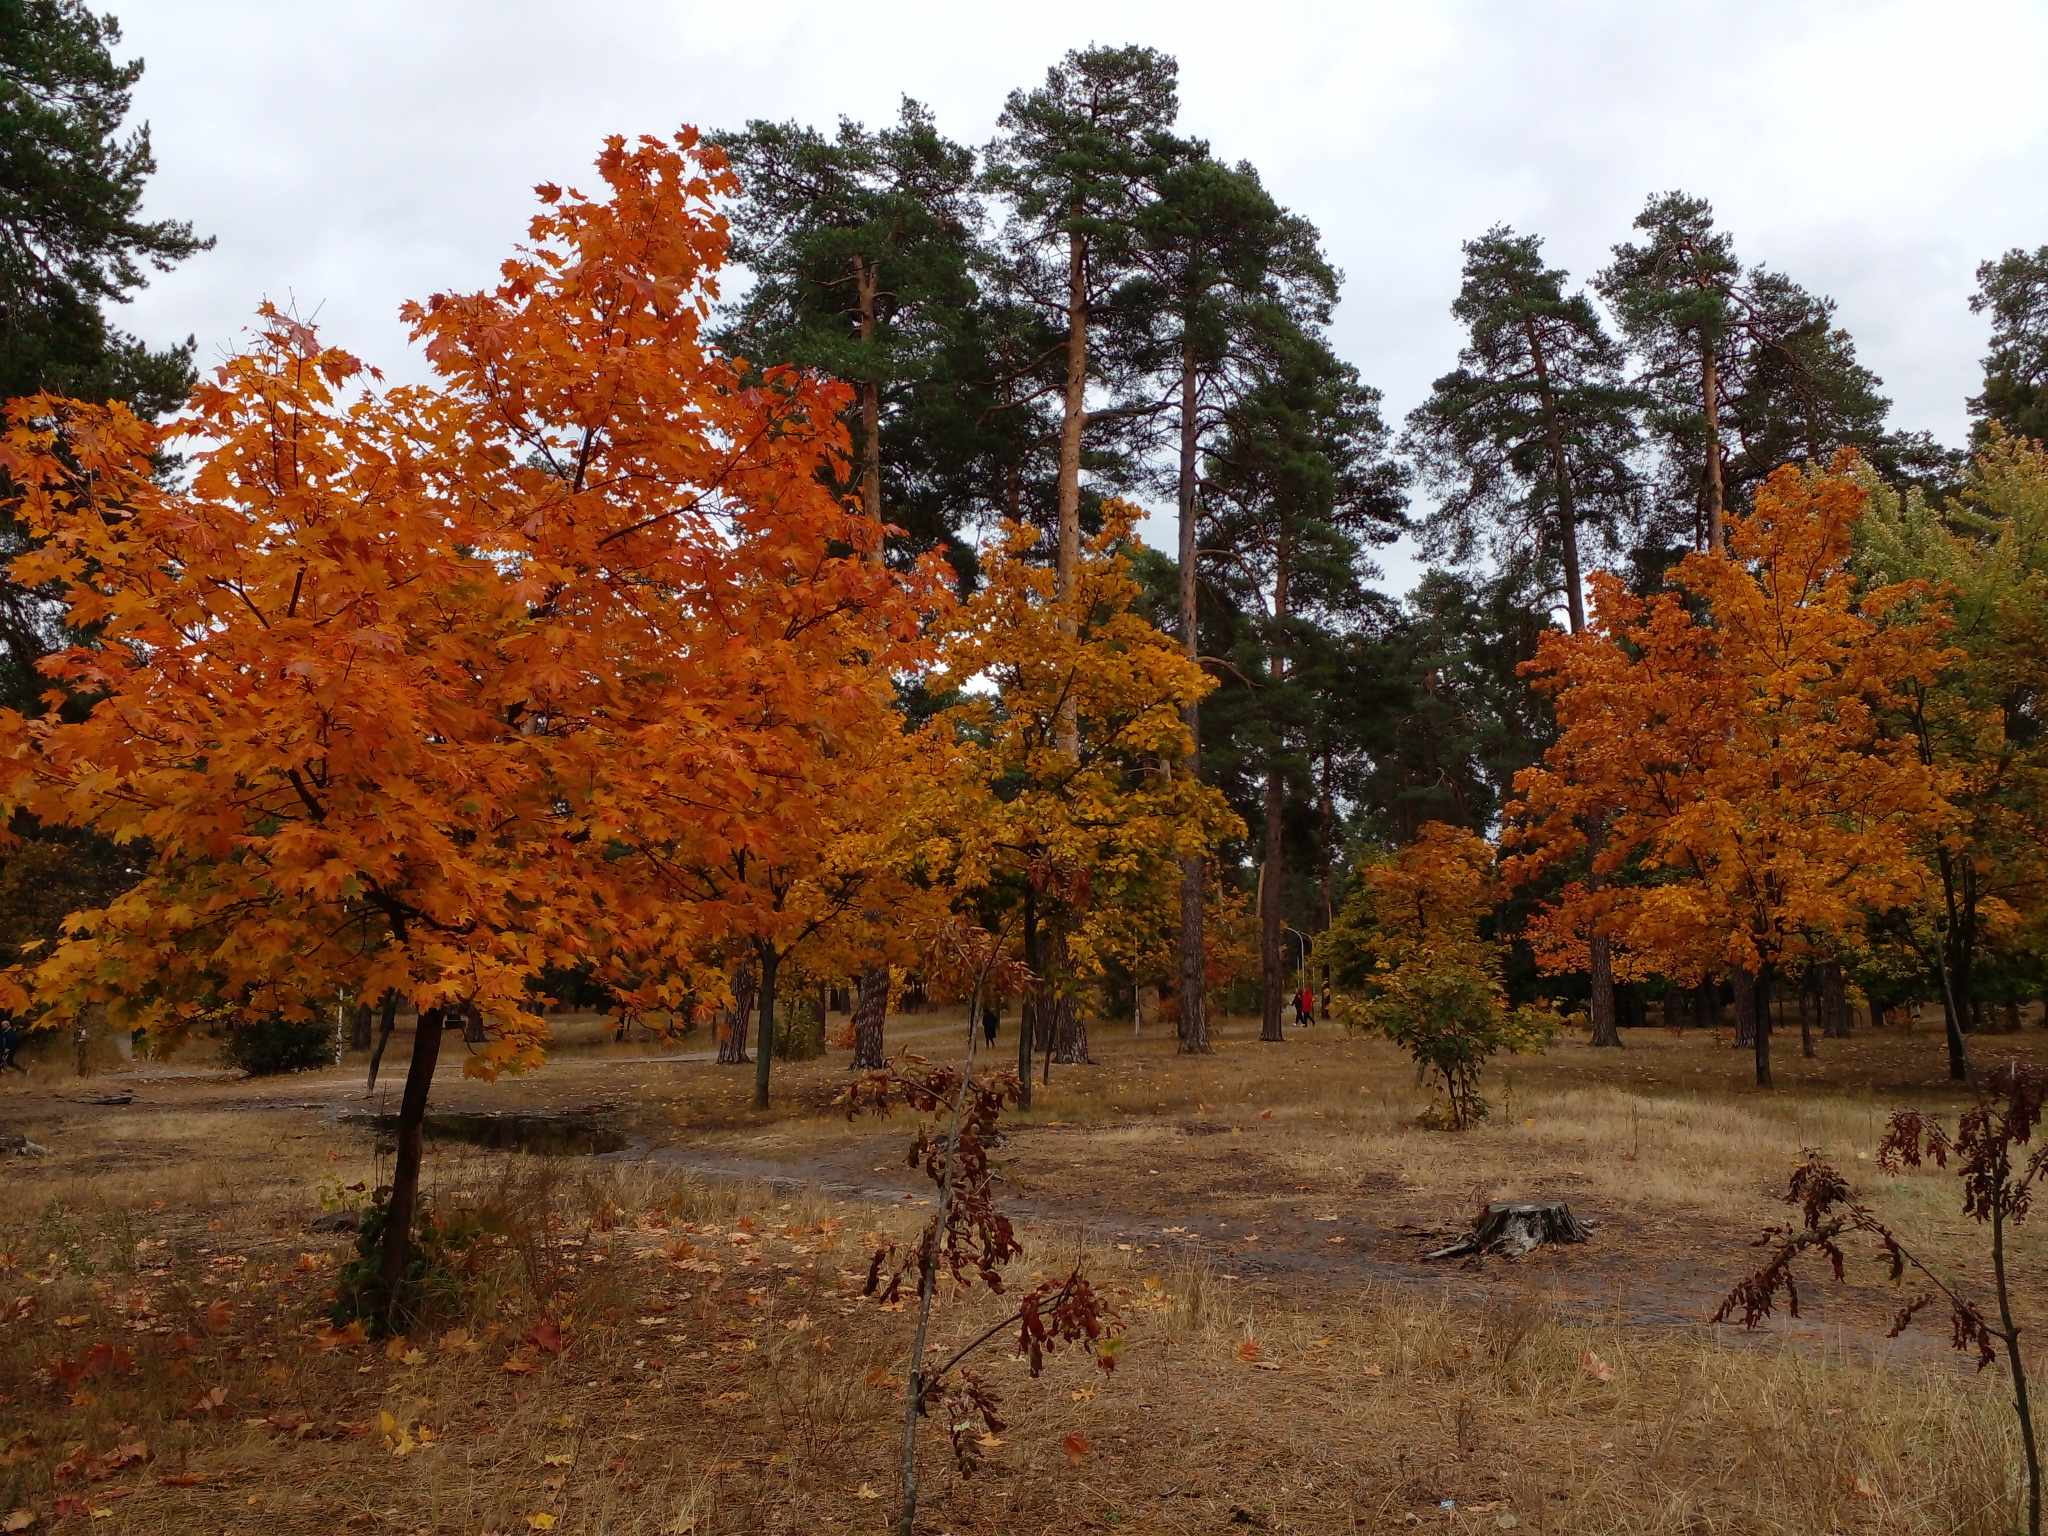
(1760, 1037)
(1027, 1013)
(402, 1211)
(1194, 1006)
(869, 1012)
(359, 1028)
(1744, 984)
(1273, 868)
(1710, 420)
(1809, 1000)
(1073, 417)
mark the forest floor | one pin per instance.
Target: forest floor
(666, 1334)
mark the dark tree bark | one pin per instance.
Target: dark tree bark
(1706, 1004)
(385, 1025)
(868, 1014)
(1600, 1006)
(1809, 992)
(764, 1047)
(732, 1033)
(1674, 1008)
(404, 1199)
(1834, 996)
(1761, 1035)
(1194, 980)
(1745, 1007)
(359, 1028)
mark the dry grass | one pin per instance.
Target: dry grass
(720, 1372)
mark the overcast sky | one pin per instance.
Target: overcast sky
(353, 156)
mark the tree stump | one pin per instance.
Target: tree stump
(1512, 1228)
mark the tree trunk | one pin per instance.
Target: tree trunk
(1561, 478)
(1027, 1012)
(2012, 1014)
(865, 280)
(1761, 1036)
(764, 1047)
(1273, 863)
(1834, 1001)
(1674, 1008)
(1073, 416)
(1600, 1006)
(403, 1207)
(1194, 978)
(472, 1024)
(1745, 1007)
(732, 1033)
(386, 1023)
(1710, 416)
(1706, 1004)
(1809, 994)
(868, 1015)
(359, 1028)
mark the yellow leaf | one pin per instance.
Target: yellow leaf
(866, 1491)
(541, 1520)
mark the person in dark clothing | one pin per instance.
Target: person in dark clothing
(989, 1020)
(10, 1042)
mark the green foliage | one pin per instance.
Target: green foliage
(442, 1263)
(273, 1046)
(800, 1032)
(1446, 1008)
(2013, 290)
(1411, 937)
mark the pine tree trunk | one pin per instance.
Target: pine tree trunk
(1834, 997)
(1710, 414)
(472, 1024)
(865, 280)
(1808, 995)
(1073, 417)
(732, 1030)
(404, 1199)
(1273, 865)
(868, 1016)
(1027, 1012)
(1194, 979)
(764, 1047)
(1706, 1004)
(359, 1028)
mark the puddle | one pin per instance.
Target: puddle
(561, 1133)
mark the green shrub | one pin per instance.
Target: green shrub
(446, 1255)
(800, 1035)
(266, 1047)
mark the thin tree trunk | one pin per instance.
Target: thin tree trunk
(1561, 479)
(764, 1047)
(1745, 1007)
(385, 1025)
(1761, 1038)
(732, 1035)
(865, 280)
(1073, 416)
(1808, 996)
(2017, 1368)
(869, 1012)
(1194, 980)
(2012, 1014)
(1710, 417)
(1273, 862)
(1706, 1004)
(1027, 1013)
(403, 1205)
(359, 1028)
(1834, 1001)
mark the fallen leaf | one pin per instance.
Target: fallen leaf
(1076, 1446)
(17, 1520)
(558, 1459)
(1594, 1366)
(541, 1520)
(866, 1491)
(1248, 1349)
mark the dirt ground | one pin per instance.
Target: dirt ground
(660, 1329)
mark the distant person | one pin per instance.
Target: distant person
(1308, 1005)
(10, 1042)
(989, 1019)
(1300, 1008)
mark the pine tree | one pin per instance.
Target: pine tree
(1746, 370)
(1224, 265)
(2013, 290)
(1302, 480)
(1528, 442)
(72, 241)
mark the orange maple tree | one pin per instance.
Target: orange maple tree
(1728, 735)
(394, 687)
